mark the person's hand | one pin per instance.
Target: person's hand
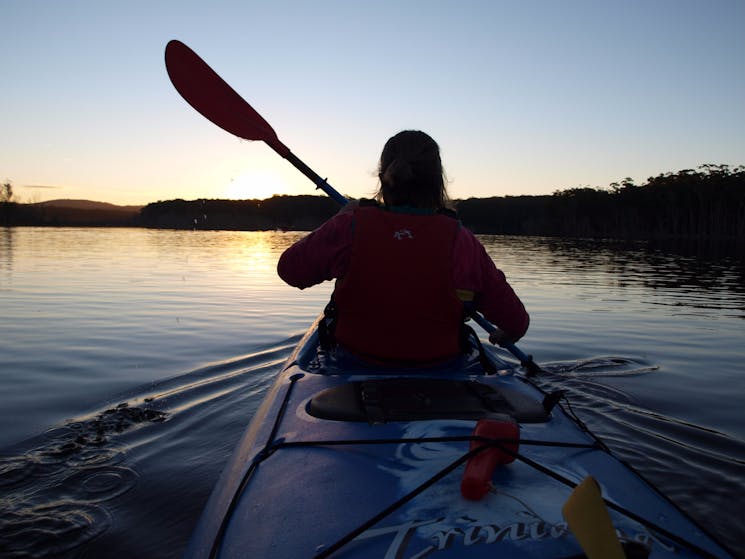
(498, 337)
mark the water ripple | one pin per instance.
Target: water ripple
(690, 464)
(57, 487)
(49, 530)
(52, 492)
(608, 366)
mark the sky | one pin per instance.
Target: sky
(524, 97)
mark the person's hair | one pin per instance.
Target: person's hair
(410, 172)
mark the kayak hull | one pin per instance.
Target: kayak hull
(311, 478)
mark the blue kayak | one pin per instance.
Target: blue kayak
(468, 460)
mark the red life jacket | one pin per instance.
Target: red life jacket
(397, 302)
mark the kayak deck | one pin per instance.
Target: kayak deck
(347, 461)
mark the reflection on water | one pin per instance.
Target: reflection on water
(6, 253)
(132, 359)
(692, 273)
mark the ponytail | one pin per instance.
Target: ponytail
(410, 172)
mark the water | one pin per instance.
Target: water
(131, 361)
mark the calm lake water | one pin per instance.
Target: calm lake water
(131, 361)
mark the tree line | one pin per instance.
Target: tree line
(708, 202)
(704, 203)
(298, 213)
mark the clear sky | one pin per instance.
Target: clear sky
(524, 97)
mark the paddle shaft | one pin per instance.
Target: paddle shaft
(526, 361)
(316, 178)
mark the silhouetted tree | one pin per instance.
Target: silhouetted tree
(7, 206)
(6, 192)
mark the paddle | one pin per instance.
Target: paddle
(589, 520)
(214, 99)
(211, 96)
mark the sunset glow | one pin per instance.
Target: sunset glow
(255, 184)
(524, 98)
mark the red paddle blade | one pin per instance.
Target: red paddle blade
(211, 96)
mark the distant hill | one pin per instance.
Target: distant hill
(83, 213)
(87, 205)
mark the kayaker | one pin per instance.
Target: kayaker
(404, 265)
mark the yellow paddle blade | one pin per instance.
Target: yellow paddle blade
(589, 521)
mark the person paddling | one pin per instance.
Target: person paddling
(404, 265)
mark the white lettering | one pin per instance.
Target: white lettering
(448, 536)
(401, 538)
(444, 539)
(472, 535)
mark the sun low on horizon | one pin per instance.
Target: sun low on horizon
(256, 184)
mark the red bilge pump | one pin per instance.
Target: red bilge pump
(480, 467)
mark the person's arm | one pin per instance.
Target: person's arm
(494, 296)
(322, 255)
(500, 304)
